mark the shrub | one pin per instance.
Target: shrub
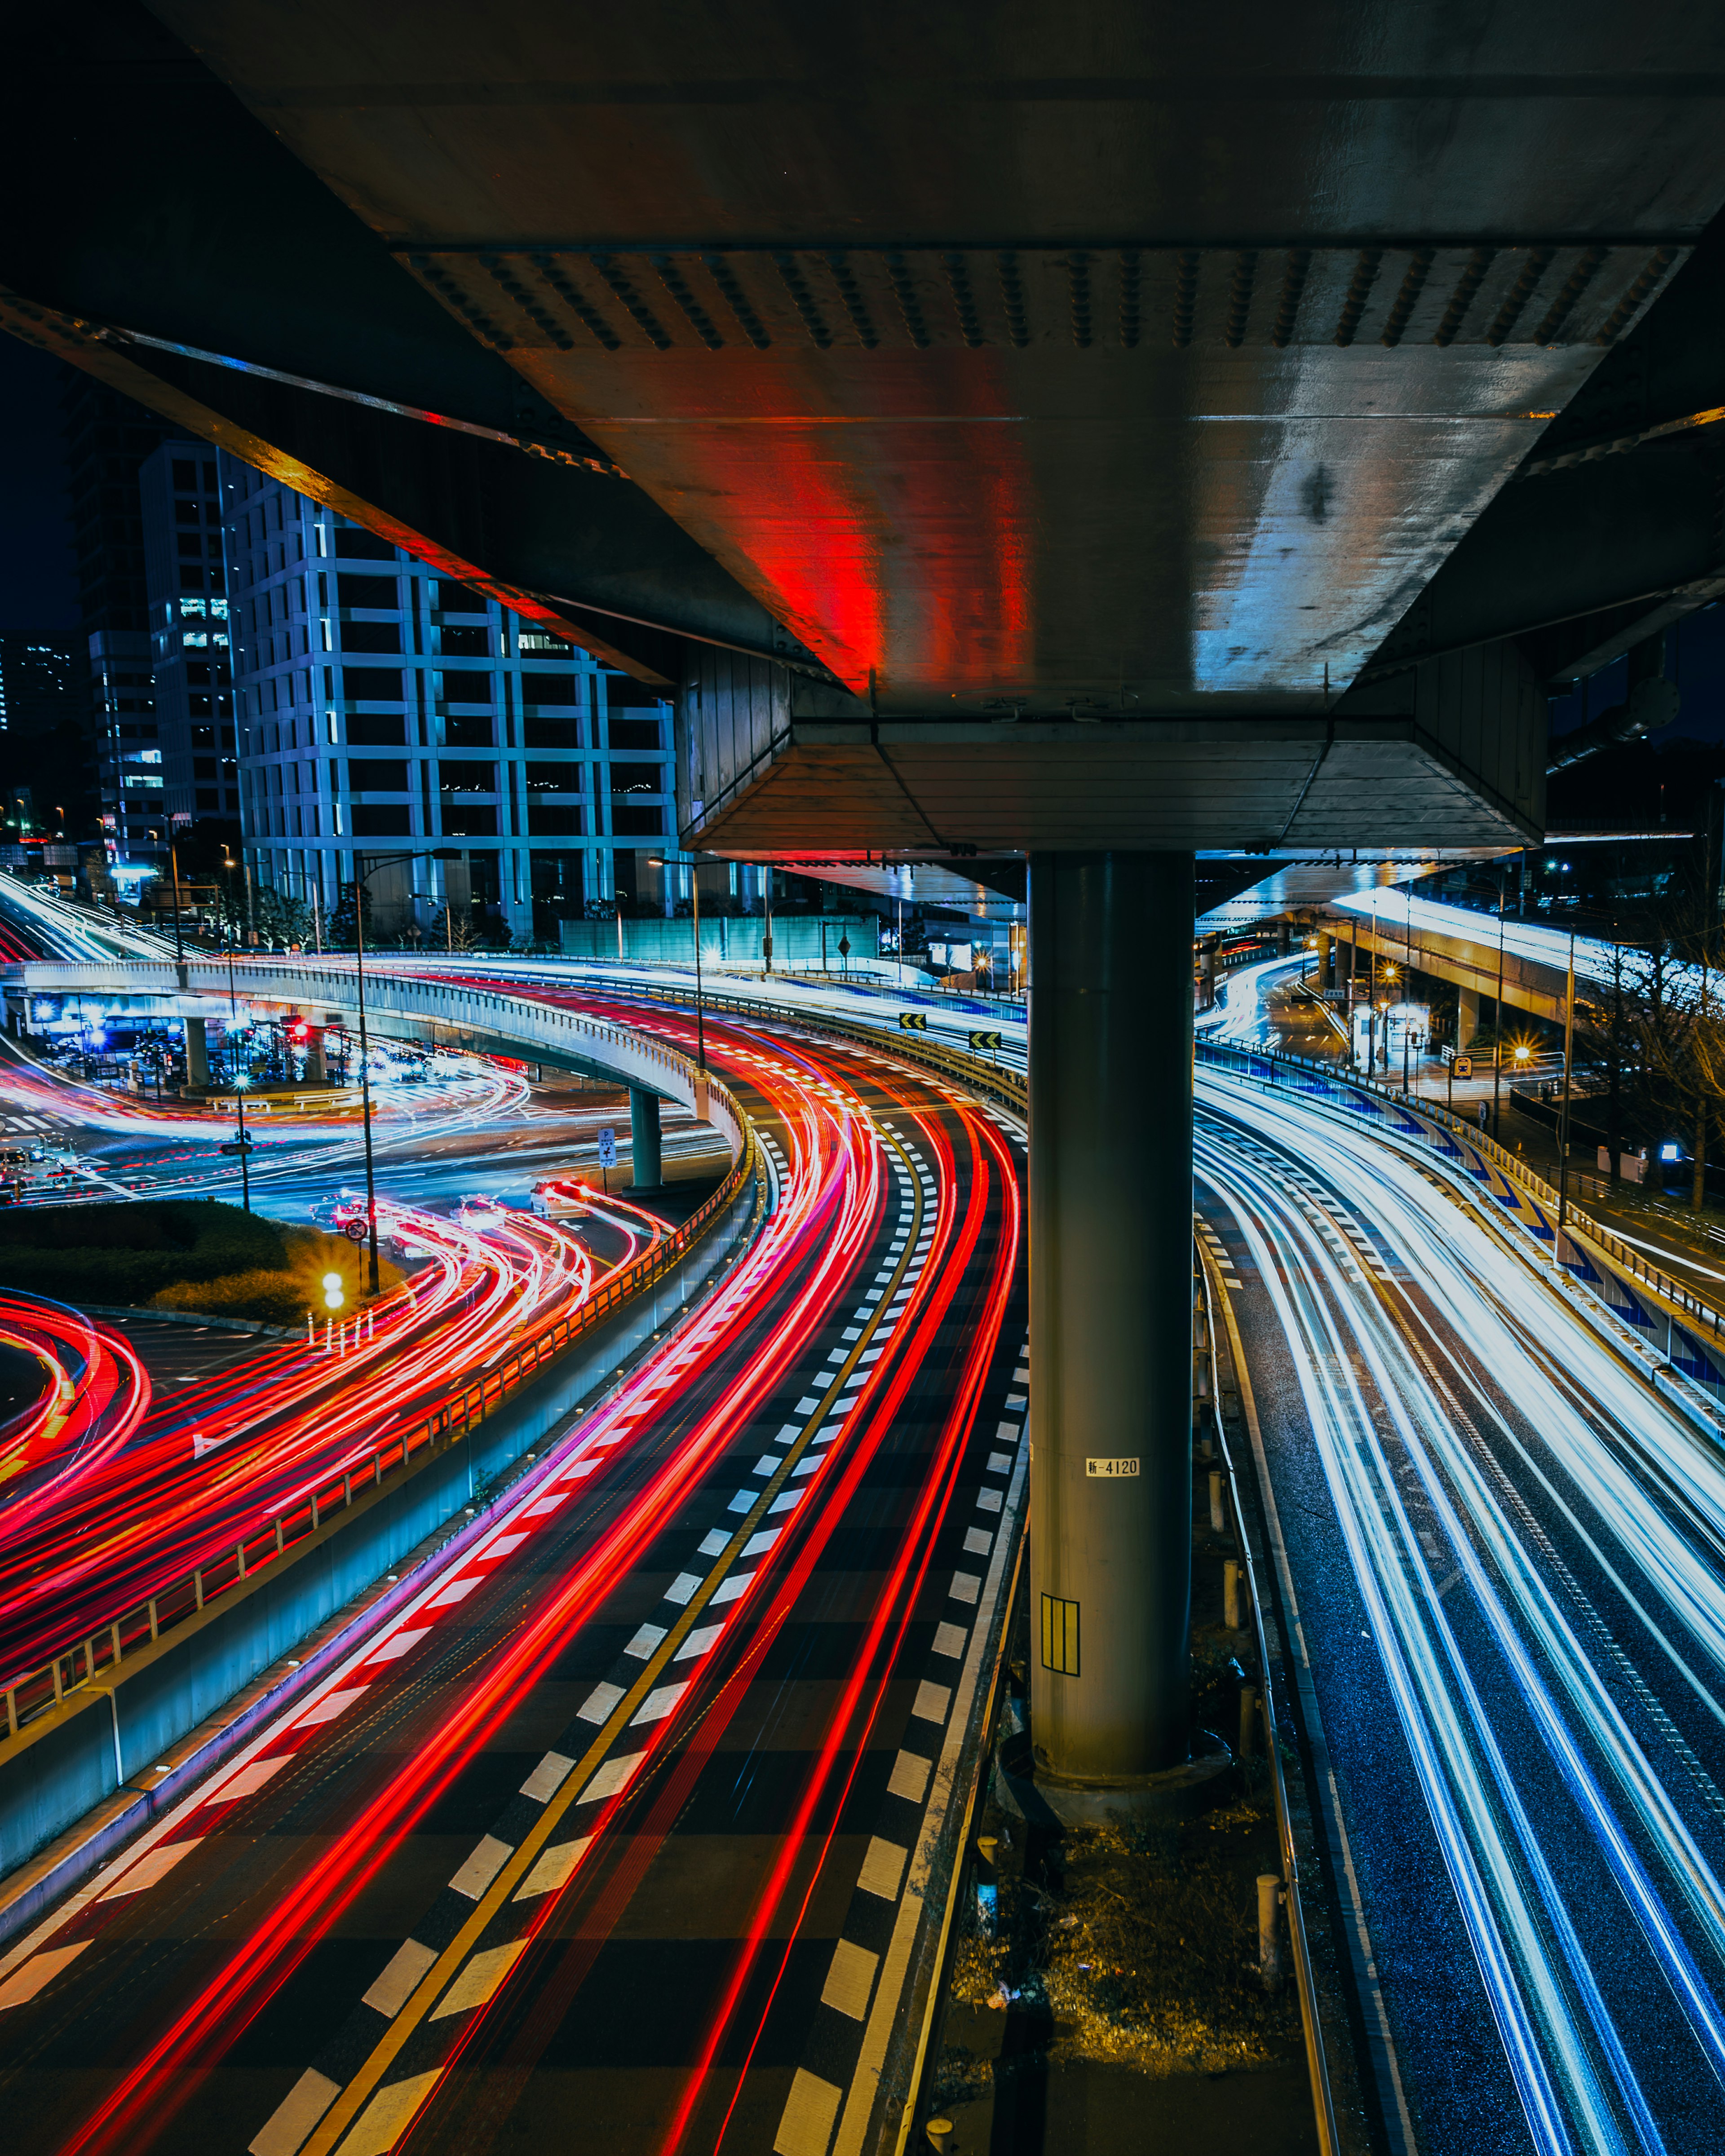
(283, 1293)
(181, 1253)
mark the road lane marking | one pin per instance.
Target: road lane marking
(597, 1777)
(547, 1778)
(37, 1974)
(909, 1778)
(160, 1861)
(310, 2097)
(394, 1986)
(481, 1868)
(479, 1980)
(851, 1980)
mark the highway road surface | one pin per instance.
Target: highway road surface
(616, 1836)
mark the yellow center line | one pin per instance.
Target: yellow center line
(353, 2097)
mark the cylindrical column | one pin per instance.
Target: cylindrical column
(1111, 1292)
(1325, 945)
(1467, 1016)
(196, 1053)
(644, 1138)
(317, 1069)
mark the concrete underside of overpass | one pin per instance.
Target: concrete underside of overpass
(1050, 430)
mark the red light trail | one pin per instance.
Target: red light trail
(910, 1179)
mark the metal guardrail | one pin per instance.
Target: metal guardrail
(448, 1417)
(1317, 2063)
(1509, 1165)
(988, 1079)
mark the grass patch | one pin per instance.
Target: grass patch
(191, 1254)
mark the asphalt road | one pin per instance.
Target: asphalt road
(1506, 1555)
(617, 1837)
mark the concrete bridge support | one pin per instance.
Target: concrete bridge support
(1325, 946)
(1111, 1324)
(196, 1053)
(645, 1139)
(1467, 1016)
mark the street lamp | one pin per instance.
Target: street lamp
(388, 861)
(173, 856)
(240, 1082)
(239, 1076)
(657, 861)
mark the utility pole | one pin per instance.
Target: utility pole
(365, 1072)
(700, 1018)
(1564, 1119)
(245, 1180)
(173, 858)
(1497, 1045)
(441, 854)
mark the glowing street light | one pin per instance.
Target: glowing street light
(334, 1294)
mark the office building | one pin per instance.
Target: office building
(186, 583)
(41, 685)
(385, 709)
(108, 439)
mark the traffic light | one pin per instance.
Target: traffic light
(914, 1021)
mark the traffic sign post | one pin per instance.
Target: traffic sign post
(914, 1021)
(989, 1041)
(238, 1144)
(608, 1158)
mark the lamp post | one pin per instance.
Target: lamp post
(174, 859)
(660, 862)
(1497, 1049)
(388, 861)
(239, 1076)
(1564, 1120)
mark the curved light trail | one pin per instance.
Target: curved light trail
(866, 1325)
(1536, 1540)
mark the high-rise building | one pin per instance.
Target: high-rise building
(108, 438)
(41, 685)
(186, 583)
(385, 709)
(128, 749)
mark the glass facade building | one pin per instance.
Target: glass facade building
(383, 708)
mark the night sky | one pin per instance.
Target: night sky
(38, 592)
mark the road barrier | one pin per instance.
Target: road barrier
(1694, 1329)
(175, 1658)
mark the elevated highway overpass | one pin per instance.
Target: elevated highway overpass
(1482, 954)
(1103, 436)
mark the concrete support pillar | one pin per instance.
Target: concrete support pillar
(1111, 1322)
(1326, 945)
(317, 1069)
(1467, 1016)
(196, 1053)
(643, 1138)
(1283, 933)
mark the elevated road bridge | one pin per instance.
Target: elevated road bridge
(1103, 436)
